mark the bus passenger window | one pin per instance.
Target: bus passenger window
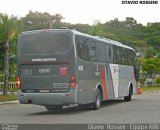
(82, 48)
(110, 53)
(92, 51)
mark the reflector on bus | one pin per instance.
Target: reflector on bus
(63, 70)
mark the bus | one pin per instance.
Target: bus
(61, 67)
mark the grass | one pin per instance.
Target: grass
(9, 90)
(150, 88)
(8, 98)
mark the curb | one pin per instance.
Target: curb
(9, 102)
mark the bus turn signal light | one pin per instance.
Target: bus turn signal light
(18, 82)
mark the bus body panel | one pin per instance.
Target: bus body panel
(110, 87)
(46, 61)
(122, 77)
(86, 81)
(114, 79)
(126, 76)
(44, 77)
(48, 98)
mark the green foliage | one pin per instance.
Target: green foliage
(151, 66)
(37, 20)
(1, 56)
(130, 22)
(158, 80)
(158, 55)
(10, 27)
(151, 52)
(142, 81)
(154, 41)
(84, 28)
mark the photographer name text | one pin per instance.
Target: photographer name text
(147, 2)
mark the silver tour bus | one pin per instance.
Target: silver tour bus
(61, 67)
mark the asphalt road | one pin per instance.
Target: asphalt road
(142, 109)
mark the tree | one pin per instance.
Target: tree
(84, 28)
(154, 41)
(37, 20)
(150, 52)
(151, 66)
(130, 22)
(56, 23)
(158, 55)
(9, 28)
(1, 60)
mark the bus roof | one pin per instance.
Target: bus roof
(107, 41)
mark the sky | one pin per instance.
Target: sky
(84, 11)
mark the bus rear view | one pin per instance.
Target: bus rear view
(46, 68)
(61, 67)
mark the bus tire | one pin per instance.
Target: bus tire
(129, 97)
(54, 108)
(98, 100)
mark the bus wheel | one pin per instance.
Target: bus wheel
(53, 108)
(129, 97)
(98, 100)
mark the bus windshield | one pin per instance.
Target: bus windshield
(45, 43)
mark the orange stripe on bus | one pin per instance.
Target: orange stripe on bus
(104, 85)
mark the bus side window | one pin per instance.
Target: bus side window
(129, 58)
(108, 53)
(99, 51)
(92, 50)
(82, 48)
(117, 58)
